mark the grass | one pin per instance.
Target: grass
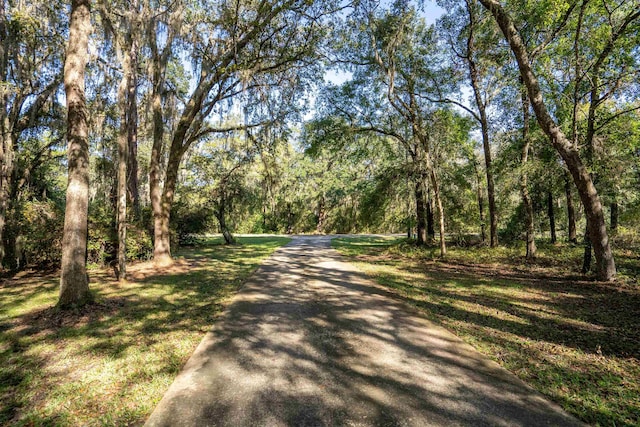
(575, 340)
(110, 363)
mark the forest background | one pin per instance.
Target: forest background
(216, 116)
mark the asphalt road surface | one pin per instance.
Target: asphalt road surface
(310, 341)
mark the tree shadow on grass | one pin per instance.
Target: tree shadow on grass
(310, 343)
(575, 339)
(146, 327)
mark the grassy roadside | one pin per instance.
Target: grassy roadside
(574, 340)
(110, 363)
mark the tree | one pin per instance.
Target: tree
(125, 36)
(524, 186)
(30, 75)
(282, 36)
(74, 281)
(400, 51)
(591, 201)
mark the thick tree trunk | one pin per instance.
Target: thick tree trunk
(597, 230)
(161, 247)
(552, 217)
(162, 243)
(224, 229)
(524, 187)
(421, 227)
(6, 174)
(74, 283)
(5, 129)
(179, 145)
(438, 200)
(161, 252)
(571, 212)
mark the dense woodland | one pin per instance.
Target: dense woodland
(130, 127)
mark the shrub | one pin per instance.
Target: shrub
(188, 221)
(40, 243)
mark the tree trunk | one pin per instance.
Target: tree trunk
(480, 196)
(491, 196)
(431, 232)
(123, 151)
(571, 212)
(161, 247)
(162, 243)
(6, 145)
(161, 253)
(552, 217)
(6, 173)
(322, 215)
(614, 215)
(290, 218)
(179, 145)
(597, 230)
(421, 229)
(524, 187)
(438, 199)
(132, 131)
(74, 283)
(486, 145)
(586, 259)
(224, 229)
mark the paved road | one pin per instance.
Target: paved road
(309, 341)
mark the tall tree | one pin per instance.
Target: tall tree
(123, 28)
(399, 44)
(282, 36)
(74, 281)
(591, 201)
(30, 75)
(162, 27)
(524, 186)
(475, 77)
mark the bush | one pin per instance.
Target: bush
(40, 243)
(103, 239)
(139, 243)
(189, 221)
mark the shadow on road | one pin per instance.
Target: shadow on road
(309, 341)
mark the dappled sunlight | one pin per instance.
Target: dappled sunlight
(575, 340)
(311, 341)
(119, 353)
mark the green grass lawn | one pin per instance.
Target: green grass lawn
(575, 340)
(110, 363)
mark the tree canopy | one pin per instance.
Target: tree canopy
(480, 126)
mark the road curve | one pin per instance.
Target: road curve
(310, 341)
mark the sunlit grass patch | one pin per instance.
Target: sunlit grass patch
(111, 362)
(575, 340)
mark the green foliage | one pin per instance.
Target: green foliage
(42, 234)
(188, 221)
(139, 243)
(103, 240)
